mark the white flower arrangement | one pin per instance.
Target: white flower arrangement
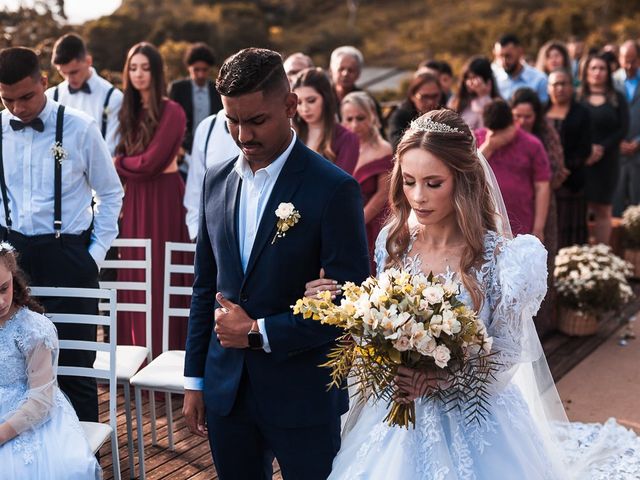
(411, 320)
(288, 216)
(590, 278)
(58, 152)
(631, 225)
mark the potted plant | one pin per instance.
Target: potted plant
(590, 281)
(631, 226)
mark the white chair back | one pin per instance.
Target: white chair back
(171, 288)
(143, 244)
(107, 297)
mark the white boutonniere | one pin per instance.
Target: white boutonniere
(288, 216)
(6, 246)
(59, 153)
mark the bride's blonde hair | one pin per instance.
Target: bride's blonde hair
(472, 199)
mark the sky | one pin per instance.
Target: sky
(78, 11)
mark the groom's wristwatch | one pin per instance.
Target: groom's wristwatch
(255, 337)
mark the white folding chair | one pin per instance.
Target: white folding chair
(166, 372)
(96, 433)
(130, 357)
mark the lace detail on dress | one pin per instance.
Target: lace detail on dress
(427, 441)
(606, 452)
(27, 445)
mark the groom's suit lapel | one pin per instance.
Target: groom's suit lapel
(284, 189)
(231, 205)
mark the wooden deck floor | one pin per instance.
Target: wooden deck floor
(192, 459)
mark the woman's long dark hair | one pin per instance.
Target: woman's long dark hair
(527, 95)
(480, 66)
(21, 295)
(137, 128)
(584, 91)
(318, 79)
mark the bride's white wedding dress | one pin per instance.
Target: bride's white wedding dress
(525, 435)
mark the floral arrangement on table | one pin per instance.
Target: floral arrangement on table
(411, 320)
(592, 280)
(631, 227)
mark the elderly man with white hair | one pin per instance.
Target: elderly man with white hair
(295, 63)
(346, 66)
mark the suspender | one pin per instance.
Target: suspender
(3, 186)
(57, 195)
(57, 181)
(206, 142)
(55, 95)
(105, 113)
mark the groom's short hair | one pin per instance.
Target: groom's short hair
(252, 70)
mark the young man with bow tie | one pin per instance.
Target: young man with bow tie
(51, 159)
(83, 88)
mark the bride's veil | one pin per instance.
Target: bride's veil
(533, 378)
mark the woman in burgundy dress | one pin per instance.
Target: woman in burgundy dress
(151, 131)
(316, 120)
(374, 162)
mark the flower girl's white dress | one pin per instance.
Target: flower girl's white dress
(520, 437)
(51, 443)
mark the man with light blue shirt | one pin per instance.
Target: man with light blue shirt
(53, 164)
(626, 80)
(514, 72)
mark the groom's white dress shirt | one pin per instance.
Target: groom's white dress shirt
(254, 195)
(29, 175)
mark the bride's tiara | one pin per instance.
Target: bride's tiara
(428, 125)
(6, 247)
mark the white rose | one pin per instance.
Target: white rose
(284, 210)
(441, 355)
(426, 345)
(402, 344)
(433, 294)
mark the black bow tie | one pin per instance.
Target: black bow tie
(84, 88)
(37, 124)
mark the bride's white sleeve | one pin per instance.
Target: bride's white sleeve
(380, 252)
(518, 287)
(40, 348)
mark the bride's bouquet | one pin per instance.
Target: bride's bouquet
(411, 320)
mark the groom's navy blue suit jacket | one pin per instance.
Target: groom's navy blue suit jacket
(290, 388)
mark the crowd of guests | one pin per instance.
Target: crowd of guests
(562, 138)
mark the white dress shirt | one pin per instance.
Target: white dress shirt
(221, 147)
(201, 103)
(29, 176)
(93, 104)
(254, 195)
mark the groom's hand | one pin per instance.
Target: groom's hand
(193, 412)
(232, 324)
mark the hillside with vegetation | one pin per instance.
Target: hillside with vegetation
(390, 33)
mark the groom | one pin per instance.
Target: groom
(252, 367)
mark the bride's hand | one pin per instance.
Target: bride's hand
(322, 284)
(413, 384)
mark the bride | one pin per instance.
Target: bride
(448, 218)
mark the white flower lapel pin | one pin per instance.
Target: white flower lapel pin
(288, 216)
(59, 153)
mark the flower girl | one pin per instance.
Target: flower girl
(40, 435)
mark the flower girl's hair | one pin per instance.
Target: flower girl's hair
(21, 295)
(445, 135)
